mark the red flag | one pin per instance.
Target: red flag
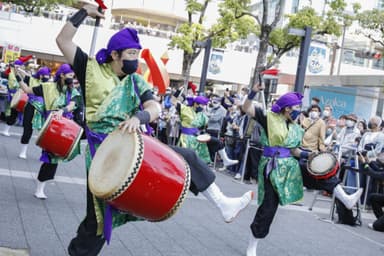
(101, 4)
(25, 58)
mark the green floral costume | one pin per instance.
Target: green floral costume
(54, 100)
(109, 101)
(286, 179)
(191, 119)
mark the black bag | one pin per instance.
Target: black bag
(345, 216)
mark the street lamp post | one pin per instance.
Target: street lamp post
(207, 45)
(305, 34)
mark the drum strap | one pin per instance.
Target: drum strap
(273, 153)
(94, 138)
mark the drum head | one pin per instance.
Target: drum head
(115, 163)
(321, 164)
(203, 137)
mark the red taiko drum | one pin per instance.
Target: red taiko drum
(322, 165)
(59, 136)
(139, 175)
(19, 100)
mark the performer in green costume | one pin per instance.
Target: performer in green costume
(118, 98)
(59, 98)
(280, 176)
(193, 121)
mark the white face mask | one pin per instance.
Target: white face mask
(326, 113)
(349, 123)
(313, 115)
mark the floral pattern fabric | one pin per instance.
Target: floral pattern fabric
(191, 119)
(286, 179)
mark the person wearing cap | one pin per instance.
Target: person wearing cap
(113, 93)
(34, 103)
(60, 99)
(280, 180)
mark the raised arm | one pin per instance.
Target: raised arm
(20, 74)
(64, 39)
(248, 104)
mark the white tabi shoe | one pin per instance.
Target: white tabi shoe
(252, 245)
(230, 207)
(5, 131)
(225, 158)
(23, 152)
(348, 200)
(40, 190)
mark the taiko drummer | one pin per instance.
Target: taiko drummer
(118, 98)
(60, 99)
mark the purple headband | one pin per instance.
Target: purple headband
(63, 69)
(18, 62)
(287, 100)
(201, 100)
(43, 71)
(124, 39)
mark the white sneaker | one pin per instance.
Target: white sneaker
(5, 133)
(370, 225)
(23, 156)
(237, 176)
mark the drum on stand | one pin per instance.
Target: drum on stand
(59, 136)
(19, 100)
(139, 175)
(322, 165)
(203, 138)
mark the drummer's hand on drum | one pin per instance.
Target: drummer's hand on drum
(58, 114)
(131, 125)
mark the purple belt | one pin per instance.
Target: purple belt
(189, 131)
(273, 153)
(10, 92)
(34, 98)
(94, 138)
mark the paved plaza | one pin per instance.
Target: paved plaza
(45, 227)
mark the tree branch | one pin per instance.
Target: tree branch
(202, 13)
(369, 36)
(278, 13)
(256, 17)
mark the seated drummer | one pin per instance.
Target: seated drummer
(116, 97)
(312, 143)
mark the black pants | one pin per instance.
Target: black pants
(377, 202)
(12, 118)
(47, 172)
(323, 184)
(29, 111)
(214, 145)
(266, 211)
(87, 243)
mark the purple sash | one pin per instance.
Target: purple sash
(94, 138)
(10, 94)
(189, 131)
(273, 153)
